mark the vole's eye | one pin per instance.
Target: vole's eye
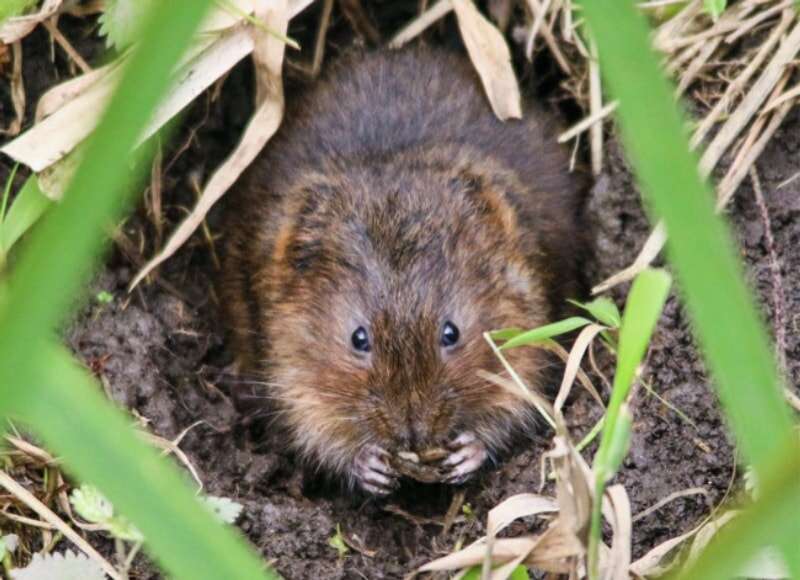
(360, 340)
(450, 334)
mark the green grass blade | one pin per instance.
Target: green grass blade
(10, 8)
(644, 304)
(729, 330)
(7, 194)
(71, 235)
(773, 514)
(44, 387)
(545, 332)
(642, 309)
(28, 207)
(603, 309)
(74, 420)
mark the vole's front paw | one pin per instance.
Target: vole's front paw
(372, 471)
(468, 454)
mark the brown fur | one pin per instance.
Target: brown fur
(393, 199)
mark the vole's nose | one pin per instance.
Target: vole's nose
(418, 434)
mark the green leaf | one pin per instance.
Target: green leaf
(104, 297)
(618, 444)
(545, 332)
(505, 333)
(603, 309)
(715, 8)
(121, 21)
(10, 8)
(642, 309)
(91, 505)
(337, 542)
(121, 527)
(27, 208)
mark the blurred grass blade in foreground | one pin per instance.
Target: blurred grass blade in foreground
(730, 332)
(41, 384)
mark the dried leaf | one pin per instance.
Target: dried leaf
(653, 563)
(489, 53)
(18, 27)
(583, 341)
(49, 141)
(513, 508)
(17, 92)
(503, 551)
(63, 93)
(617, 509)
(518, 506)
(268, 58)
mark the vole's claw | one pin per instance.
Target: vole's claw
(469, 454)
(373, 472)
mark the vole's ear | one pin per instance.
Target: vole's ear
(489, 199)
(297, 244)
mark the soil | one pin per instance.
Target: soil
(161, 355)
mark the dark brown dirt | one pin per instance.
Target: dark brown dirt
(161, 355)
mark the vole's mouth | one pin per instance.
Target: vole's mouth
(425, 466)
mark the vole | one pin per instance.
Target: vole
(391, 222)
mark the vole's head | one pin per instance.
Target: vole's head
(382, 284)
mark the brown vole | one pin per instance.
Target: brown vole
(391, 222)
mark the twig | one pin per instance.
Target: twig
(738, 84)
(420, 23)
(778, 294)
(62, 41)
(671, 497)
(697, 64)
(50, 517)
(755, 97)
(750, 150)
(17, 91)
(752, 22)
(550, 39)
(539, 16)
(595, 107)
(588, 122)
(361, 23)
(322, 34)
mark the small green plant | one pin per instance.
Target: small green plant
(715, 8)
(104, 297)
(121, 21)
(92, 506)
(602, 309)
(337, 542)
